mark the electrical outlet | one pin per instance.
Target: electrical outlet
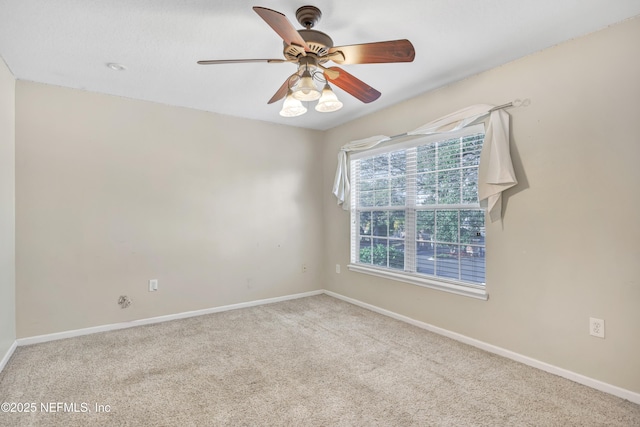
(304, 268)
(153, 285)
(338, 268)
(596, 327)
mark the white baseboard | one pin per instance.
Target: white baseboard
(580, 379)
(7, 356)
(115, 326)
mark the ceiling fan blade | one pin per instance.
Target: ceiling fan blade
(374, 53)
(239, 61)
(353, 86)
(282, 26)
(281, 93)
(329, 73)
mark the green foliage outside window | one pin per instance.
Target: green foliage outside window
(378, 256)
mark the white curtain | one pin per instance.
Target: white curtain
(454, 121)
(341, 183)
(495, 173)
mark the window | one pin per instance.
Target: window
(415, 214)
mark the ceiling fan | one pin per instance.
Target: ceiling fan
(310, 50)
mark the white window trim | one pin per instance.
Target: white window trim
(468, 290)
(440, 284)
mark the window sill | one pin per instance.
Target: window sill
(467, 291)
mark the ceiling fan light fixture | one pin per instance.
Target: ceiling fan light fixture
(310, 49)
(292, 107)
(328, 101)
(306, 89)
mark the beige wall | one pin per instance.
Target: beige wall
(112, 192)
(569, 246)
(7, 210)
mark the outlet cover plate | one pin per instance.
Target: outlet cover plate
(596, 327)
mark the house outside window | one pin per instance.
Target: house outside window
(415, 214)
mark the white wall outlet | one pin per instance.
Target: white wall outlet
(153, 285)
(338, 268)
(596, 327)
(304, 268)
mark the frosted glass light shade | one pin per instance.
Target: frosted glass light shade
(306, 89)
(328, 101)
(292, 107)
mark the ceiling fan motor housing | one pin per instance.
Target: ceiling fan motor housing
(318, 42)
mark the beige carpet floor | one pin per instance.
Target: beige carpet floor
(314, 361)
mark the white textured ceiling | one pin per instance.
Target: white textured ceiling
(69, 42)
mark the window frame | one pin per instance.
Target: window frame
(434, 282)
